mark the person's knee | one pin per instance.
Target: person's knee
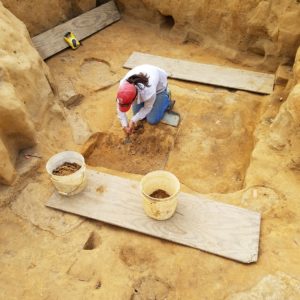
(152, 120)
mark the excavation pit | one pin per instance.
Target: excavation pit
(145, 152)
(234, 147)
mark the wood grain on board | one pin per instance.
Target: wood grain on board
(205, 73)
(200, 223)
(52, 41)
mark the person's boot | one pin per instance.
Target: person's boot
(171, 105)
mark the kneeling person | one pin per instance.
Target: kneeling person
(145, 88)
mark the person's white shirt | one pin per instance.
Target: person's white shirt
(147, 95)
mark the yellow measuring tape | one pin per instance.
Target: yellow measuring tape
(71, 39)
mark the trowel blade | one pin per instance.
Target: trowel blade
(127, 140)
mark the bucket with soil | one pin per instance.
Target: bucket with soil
(159, 191)
(67, 172)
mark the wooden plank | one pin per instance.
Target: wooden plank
(52, 41)
(204, 73)
(204, 224)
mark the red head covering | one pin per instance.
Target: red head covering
(126, 95)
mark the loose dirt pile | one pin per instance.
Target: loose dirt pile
(66, 168)
(160, 194)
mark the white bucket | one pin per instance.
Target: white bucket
(160, 208)
(69, 184)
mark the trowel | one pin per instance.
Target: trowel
(127, 139)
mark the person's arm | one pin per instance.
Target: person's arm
(145, 110)
(122, 117)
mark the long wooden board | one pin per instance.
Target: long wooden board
(52, 41)
(200, 223)
(205, 73)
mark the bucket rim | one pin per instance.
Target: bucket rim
(159, 171)
(49, 170)
(145, 177)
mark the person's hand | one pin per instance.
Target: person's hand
(126, 130)
(131, 126)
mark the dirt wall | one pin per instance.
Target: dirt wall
(256, 33)
(24, 91)
(40, 16)
(284, 135)
(269, 30)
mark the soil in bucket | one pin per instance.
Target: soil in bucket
(66, 168)
(160, 194)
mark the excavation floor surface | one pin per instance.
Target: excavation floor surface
(47, 254)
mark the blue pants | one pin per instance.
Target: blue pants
(158, 110)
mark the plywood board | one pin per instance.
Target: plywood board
(200, 223)
(204, 73)
(52, 41)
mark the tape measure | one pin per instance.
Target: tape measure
(71, 40)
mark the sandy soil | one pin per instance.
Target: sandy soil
(47, 254)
